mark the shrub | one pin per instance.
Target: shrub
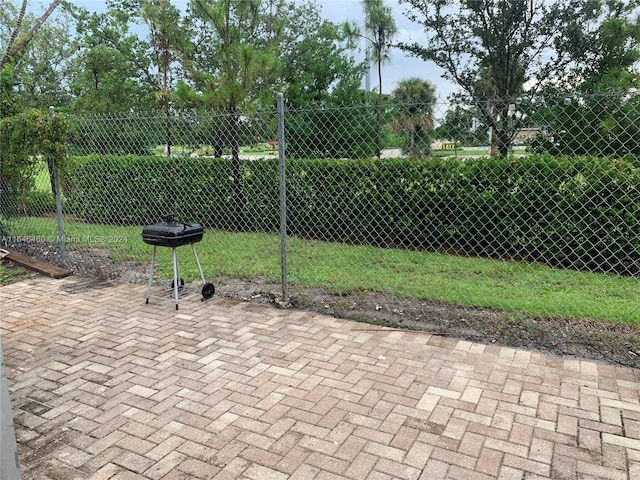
(28, 138)
(579, 213)
(131, 190)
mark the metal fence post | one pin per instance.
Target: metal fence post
(58, 194)
(283, 199)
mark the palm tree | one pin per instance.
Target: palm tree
(379, 31)
(415, 99)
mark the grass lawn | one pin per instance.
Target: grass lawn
(473, 152)
(42, 179)
(7, 275)
(207, 150)
(531, 289)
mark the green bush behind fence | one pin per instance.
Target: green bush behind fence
(580, 213)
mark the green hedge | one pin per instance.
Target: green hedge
(580, 213)
(130, 190)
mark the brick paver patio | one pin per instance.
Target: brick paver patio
(104, 386)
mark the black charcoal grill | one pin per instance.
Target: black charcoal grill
(173, 234)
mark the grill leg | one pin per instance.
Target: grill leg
(176, 275)
(153, 261)
(193, 247)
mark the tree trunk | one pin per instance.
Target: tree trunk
(504, 133)
(15, 49)
(497, 117)
(235, 162)
(378, 107)
(14, 34)
(167, 113)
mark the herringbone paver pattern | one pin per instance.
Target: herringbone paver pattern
(104, 386)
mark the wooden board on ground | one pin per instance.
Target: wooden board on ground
(34, 264)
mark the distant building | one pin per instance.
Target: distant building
(526, 134)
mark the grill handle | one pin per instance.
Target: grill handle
(170, 218)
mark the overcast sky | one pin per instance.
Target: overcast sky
(400, 66)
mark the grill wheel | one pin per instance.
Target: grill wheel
(208, 290)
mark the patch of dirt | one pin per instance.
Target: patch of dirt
(580, 338)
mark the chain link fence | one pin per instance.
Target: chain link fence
(396, 214)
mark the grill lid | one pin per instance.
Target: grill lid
(172, 233)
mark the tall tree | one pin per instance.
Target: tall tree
(596, 111)
(380, 31)
(17, 42)
(233, 61)
(314, 57)
(164, 22)
(114, 71)
(460, 124)
(414, 100)
(492, 48)
(116, 76)
(603, 41)
(40, 76)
